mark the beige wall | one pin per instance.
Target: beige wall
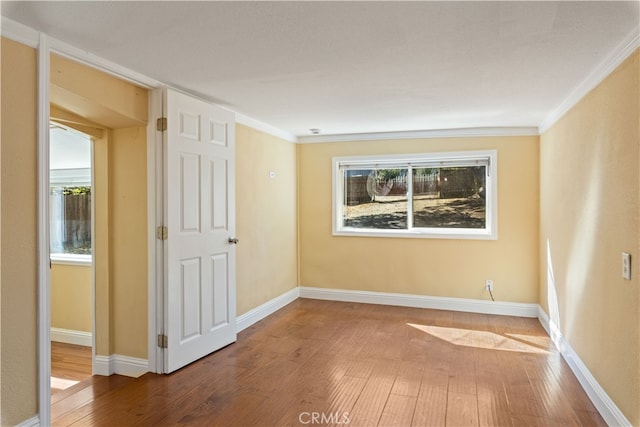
(590, 186)
(102, 243)
(18, 221)
(97, 96)
(265, 216)
(71, 297)
(120, 194)
(128, 231)
(435, 267)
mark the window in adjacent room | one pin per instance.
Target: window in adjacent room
(438, 195)
(70, 195)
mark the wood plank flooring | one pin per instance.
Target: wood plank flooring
(330, 363)
(70, 364)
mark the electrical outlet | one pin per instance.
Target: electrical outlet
(488, 284)
(626, 266)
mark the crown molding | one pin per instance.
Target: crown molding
(18, 32)
(28, 36)
(265, 127)
(104, 65)
(417, 134)
(606, 67)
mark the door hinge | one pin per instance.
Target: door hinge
(162, 233)
(163, 341)
(161, 124)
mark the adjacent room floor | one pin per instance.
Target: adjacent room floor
(70, 364)
(330, 363)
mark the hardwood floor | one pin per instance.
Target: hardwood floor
(70, 364)
(329, 363)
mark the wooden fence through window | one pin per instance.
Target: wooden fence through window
(447, 183)
(70, 216)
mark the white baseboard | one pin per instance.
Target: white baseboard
(31, 422)
(422, 301)
(134, 367)
(255, 315)
(601, 400)
(121, 365)
(69, 336)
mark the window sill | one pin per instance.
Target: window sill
(71, 259)
(420, 234)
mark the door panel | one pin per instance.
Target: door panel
(189, 298)
(219, 266)
(218, 132)
(218, 192)
(190, 188)
(200, 216)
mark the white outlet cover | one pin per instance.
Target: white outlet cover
(626, 266)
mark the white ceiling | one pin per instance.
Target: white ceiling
(69, 149)
(353, 67)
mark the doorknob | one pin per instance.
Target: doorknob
(233, 241)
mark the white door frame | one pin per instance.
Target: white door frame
(44, 297)
(155, 218)
(45, 46)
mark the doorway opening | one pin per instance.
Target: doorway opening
(71, 252)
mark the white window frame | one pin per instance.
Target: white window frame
(77, 177)
(71, 259)
(490, 232)
(72, 178)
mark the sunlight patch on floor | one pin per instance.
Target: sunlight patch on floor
(542, 341)
(62, 383)
(486, 339)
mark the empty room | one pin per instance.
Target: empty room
(320, 213)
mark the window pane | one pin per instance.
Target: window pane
(70, 191)
(375, 198)
(452, 197)
(70, 218)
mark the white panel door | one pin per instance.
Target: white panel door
(200, 301)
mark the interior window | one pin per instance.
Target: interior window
(70, 193)
(446, 195)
